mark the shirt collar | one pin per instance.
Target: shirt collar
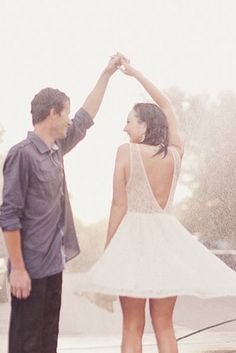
(40, 144)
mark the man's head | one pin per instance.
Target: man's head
(54, 106)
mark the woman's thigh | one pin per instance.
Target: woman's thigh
(133, 308)
(162, 308)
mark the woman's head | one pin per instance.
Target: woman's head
(147, 124)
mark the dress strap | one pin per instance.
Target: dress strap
(134, 160)
(177, 160)
(137, 167)
(137, 171)
(140, 196)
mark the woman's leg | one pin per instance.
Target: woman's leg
(161, 311)
(133, 310)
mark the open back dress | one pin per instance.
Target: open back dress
(152, 255)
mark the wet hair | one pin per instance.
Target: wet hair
(44, 101)
(157, 126)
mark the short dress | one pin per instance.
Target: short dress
(152, 255)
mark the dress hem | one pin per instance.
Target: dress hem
(214, 293)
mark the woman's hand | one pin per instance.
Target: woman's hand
(127, 69)
(125, 66)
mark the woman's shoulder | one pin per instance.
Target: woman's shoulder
(123, 153)
(123, 149)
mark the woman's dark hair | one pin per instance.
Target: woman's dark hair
(44, 101)
(157, 126)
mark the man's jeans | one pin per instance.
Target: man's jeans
(35, 321)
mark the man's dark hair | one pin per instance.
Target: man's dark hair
(44, 101)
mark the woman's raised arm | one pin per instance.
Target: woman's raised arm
(160, 99)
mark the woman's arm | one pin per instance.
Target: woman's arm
(119, 200)
(162, 101)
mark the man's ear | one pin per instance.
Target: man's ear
(144, 126)
(53, 113)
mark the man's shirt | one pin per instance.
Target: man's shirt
(35, 199)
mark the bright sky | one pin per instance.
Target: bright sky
(66, 43)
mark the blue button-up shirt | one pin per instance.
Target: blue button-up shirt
(35, 199)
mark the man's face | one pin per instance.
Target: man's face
(61, 122)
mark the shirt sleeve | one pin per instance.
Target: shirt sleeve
(77, 131)
(16, 177)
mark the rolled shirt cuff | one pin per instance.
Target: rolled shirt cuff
(83, 114)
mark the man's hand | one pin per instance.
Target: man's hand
(123, 64)
(93, 101)
(20, 283)
(113, 64)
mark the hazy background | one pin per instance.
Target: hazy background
(187, 48)
(66, 44)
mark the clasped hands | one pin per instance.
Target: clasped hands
(120, 62)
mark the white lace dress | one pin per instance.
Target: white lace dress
(151, 254)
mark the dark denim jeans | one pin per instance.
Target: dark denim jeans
(34, 322)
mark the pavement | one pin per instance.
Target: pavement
(217, 340)
(205, 343)
(85, 327)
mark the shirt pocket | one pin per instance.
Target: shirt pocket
(47, 171)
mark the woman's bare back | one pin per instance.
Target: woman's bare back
(159, 172)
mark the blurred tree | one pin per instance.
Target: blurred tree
(92, 241)
(209, 166)
(208, 171)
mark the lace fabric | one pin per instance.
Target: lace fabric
(152, 255)
(139, 192)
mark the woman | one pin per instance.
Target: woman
(149, 255)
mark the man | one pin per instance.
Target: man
(36, 217)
